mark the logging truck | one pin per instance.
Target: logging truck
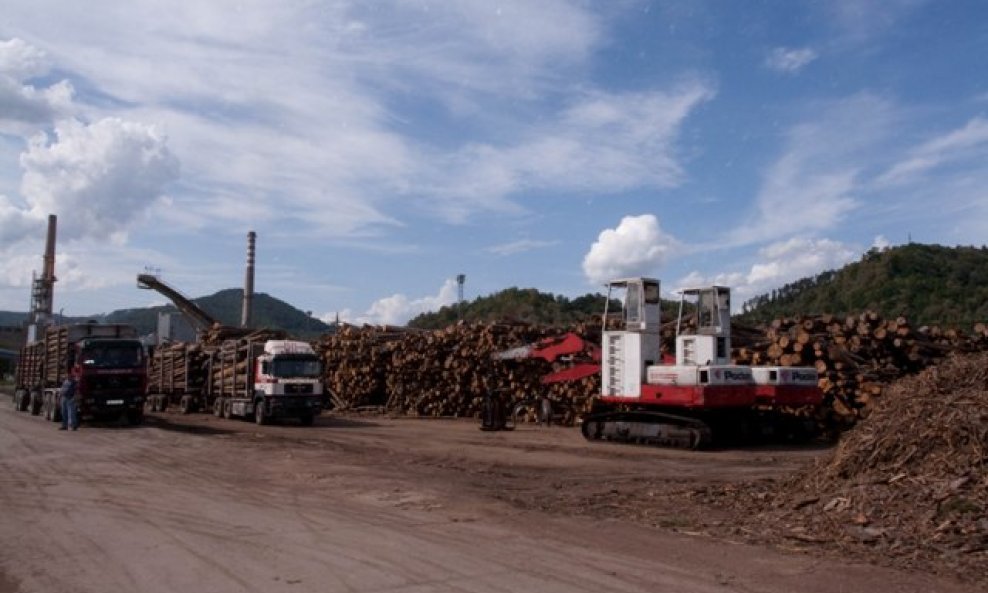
(265, 380)
(106, 360)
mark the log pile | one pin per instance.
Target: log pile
(228, 368)
(433, 373)
(178, 368)
(855, 355)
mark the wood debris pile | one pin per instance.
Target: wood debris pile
(907, 486)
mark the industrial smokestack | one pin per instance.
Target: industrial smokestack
(245, 317)
(43, 288)
(48, 275)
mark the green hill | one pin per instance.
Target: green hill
(929, 284)
(225, 306)
(515, 304)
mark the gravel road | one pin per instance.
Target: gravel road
(372, 504)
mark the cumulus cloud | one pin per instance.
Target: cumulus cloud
(22, 106)
(637, 247)
(779, 263)
(880, 243)
(100, 178)
(397, 309)
(789, 61)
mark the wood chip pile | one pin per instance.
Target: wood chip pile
(907, 486)
(435, 373)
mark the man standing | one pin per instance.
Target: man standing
(70, 414)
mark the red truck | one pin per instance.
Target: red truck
(107, 361)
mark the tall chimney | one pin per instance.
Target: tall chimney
(43, 288)
(245, 317)
(48, 274)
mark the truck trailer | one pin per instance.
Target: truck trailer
(106, 360)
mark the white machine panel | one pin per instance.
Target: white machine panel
(806, 376)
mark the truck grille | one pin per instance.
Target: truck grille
(113, 383)
(299, 388)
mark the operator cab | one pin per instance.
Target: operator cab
(708, 342)
(640, 305)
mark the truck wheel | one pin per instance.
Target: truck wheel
(185, 404)
(35, 404)
(135, 417)
(227, 409)
(19, 397)
(306, 419)
(259, 417)
(218, 407)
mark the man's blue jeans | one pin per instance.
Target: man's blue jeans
(70, 413)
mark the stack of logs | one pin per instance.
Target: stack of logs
(183, 368)
(855, 355)
(228, 371)
(177, 368)
(434, 373)
(448, 372)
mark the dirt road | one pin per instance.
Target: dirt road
(371, 504)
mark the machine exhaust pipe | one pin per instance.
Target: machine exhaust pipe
(246, 314)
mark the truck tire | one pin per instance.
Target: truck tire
(34, 405)
(19, 397)
(218, 407)
(306, 419)
(227, 409)
(185, 404)
(259, 418)
(135, 417)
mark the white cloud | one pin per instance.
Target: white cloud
(966, 143)
(600, 143)
(22, 106)
(21, 60)
(99, 178)
(788, 60)
(397, 309)
(880, 243)
(520, 246)
(822, 172)
(637, 247)
(780, 263)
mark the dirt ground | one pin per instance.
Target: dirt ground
(373, 504)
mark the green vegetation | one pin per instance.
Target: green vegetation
(929, 284)
(517, 304)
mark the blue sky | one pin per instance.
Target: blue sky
(380, 148)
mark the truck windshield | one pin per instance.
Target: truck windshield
(296, 367)
(113, 355)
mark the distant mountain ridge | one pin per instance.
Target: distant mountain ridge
(225, 306)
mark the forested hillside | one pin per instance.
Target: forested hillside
(929, 284)
(516, 304)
